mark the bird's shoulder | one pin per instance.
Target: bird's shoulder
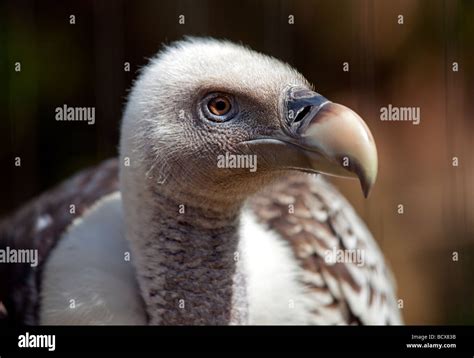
(91, 271)
(342, 267)
(38, 225)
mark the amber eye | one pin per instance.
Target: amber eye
(219, 106)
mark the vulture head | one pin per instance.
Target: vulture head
(226, 120)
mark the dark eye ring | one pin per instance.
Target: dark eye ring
(219, 107)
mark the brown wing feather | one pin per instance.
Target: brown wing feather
(315, 218)
(19, 283)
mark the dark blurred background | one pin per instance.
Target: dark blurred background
(407, 64)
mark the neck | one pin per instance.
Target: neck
(186, 256)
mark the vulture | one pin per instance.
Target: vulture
(214, 212)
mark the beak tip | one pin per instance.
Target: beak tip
(366, 183)
(365, 190)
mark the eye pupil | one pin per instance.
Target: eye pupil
(219, 106)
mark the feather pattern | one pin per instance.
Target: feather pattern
(39, 225)
(317, 221)
(308, 213)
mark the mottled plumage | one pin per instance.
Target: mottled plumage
(315, 218)
(320, 220)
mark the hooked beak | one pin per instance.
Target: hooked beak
(319, 136)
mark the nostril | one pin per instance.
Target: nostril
(301, 114)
